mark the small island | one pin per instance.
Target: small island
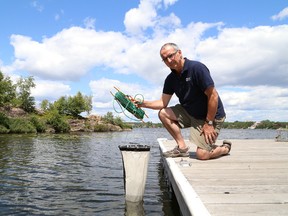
(18, 113)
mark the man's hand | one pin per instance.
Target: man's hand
(137, 103)
(209, 133)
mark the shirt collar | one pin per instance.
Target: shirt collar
(184, 68)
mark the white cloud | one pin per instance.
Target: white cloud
(69, 54)
(49, 90)
(139, 19)
(249, 65)
(281, 15)
(242, 56)
(168, 3)
(255, 103)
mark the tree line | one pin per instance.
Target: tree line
(265, 124)
(54, 114)
(19, 95)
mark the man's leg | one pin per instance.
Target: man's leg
(169, 121)
(208, 151)
(203, 154)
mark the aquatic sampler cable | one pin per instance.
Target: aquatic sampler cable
(127, 102)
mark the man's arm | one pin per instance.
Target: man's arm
(157, 104)
(208, 130)
(212, 96)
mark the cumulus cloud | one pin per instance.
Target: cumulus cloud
(168, 3)
(249, 65)
(243, 56)
(281, 15)
(138, 19)
(73, 52)
(50, 90)
(69, 54)
(255, 103)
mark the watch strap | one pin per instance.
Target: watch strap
(209, 122)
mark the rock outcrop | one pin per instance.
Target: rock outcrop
(89, 124)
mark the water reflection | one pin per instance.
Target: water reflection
(82, 174)
(72, 175)
(134, 209)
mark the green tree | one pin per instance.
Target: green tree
(118, 121)
(44, 105)
(149, 124)
(109, 118)
(73, 105)
(88, 104)
(79, 104)
(267, 124)
(58, 122)
(61, 105)
(7, 90)
(4, 120)
(24, 98)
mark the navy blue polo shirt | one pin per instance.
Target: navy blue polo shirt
(189, 87)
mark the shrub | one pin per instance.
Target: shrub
(38, 123)
(3, 130)
(58, 123)
(101, 128)
(108, 118)
(4, 120)
(17, 125)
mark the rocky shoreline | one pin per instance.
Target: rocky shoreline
(84, 124)
(88, 124)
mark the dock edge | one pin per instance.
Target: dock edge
(188, 200)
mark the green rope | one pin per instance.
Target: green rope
(127, 104)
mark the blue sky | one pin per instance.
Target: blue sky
(91, 46)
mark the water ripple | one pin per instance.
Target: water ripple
(78, 175)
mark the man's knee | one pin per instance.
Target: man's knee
(162, 113)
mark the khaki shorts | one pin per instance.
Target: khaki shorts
(186, 121)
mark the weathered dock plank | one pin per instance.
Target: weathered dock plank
(252, 180)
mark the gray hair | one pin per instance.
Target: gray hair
(175, 47)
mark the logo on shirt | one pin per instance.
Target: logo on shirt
(188, 79)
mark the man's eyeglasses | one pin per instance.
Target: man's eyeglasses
(169, 56)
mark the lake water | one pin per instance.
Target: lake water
(82, 174)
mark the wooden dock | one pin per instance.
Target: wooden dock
(252, 180)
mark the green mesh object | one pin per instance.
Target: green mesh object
(128, 105)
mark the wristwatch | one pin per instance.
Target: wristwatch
(210, 123)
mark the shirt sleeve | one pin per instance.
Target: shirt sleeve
(168, 85)
(203, 77)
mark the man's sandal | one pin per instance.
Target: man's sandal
(177, 152)
(227, 144)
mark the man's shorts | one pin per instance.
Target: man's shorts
(185, 121)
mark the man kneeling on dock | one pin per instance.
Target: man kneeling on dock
(200, 106)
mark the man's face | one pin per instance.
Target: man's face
(171, 57)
